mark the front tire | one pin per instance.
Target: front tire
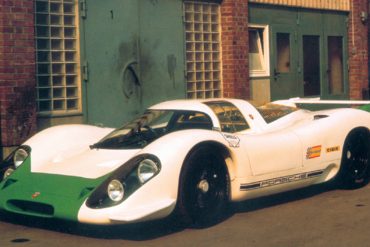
(204, 188)
(355, 166)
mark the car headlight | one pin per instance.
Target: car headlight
(124, 181)
(146, 170)
(7, 173)
(115, 190)
(20, 156)
(13, 161)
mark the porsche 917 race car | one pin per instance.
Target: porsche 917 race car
(188, 158)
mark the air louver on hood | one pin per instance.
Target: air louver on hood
(317, 117)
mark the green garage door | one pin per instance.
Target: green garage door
(308, 52)
(132, 56)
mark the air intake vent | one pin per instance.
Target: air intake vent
(317, 117)
(30, 208)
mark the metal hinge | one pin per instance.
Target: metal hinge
(183, 18)
(83, 9)
(295, 36)
(85, 71)
(348, 65)
(298, 19)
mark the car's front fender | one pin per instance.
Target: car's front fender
(156, 198)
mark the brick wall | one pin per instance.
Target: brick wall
(234, 37)
(17, 71)
(358, 50)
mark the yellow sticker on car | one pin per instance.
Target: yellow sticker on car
(332, 149)
(313, 152)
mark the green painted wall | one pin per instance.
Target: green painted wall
(134, 50)
(299, 22)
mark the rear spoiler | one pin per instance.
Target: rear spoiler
(317, 101)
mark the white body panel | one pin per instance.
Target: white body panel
(291, 149)
(268, 152)
(68, 152)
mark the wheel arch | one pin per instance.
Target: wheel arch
(219, 148)
(338, 178)
(225, 160)
(355, 130)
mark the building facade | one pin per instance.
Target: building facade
(102, 62)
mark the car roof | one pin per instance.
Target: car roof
(252, 116)
(197, 104)
(191, 105)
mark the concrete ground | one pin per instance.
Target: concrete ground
(316, 216)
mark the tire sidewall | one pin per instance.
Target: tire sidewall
(199, 159)
(344, 179)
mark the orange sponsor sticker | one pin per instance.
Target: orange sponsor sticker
(313, 152)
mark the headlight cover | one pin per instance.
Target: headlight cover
(124, 181)
(7, 173)
(13, 161)
(146, 170)
(20, 156)
(115, 190)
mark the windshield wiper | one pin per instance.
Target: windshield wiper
(95, 146)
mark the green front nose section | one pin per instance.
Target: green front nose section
(45, 195)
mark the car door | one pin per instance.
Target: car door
(273, 153)
(315, 138)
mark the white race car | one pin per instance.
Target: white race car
(184, 157)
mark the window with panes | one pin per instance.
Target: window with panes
(58, 80)
(203, 61)
(259, 64)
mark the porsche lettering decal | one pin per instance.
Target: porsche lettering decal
(281, 180)
(313, 152)
(333, 149)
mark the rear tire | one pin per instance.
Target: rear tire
(355, 165)
(204, 188)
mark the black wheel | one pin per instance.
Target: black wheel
(355, 170)
(203, 189)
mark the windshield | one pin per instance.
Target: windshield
(152, 125)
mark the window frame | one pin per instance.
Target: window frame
(265, 51)
(58, 76)
(202, 27)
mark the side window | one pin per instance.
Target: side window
(258, 50)
(283, 52)
(271, 112)
(335, 65)
(231, 119)
(191, 120)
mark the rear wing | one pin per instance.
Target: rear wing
(317, 101)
